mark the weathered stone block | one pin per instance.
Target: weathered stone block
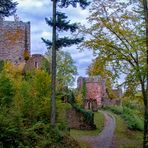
(76, 120)
(95, 91)
(14, 39)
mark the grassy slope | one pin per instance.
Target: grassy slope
(99, 122)
(125, 138)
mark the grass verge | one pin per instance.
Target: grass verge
(125, 138)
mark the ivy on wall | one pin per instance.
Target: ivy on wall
(88, 115)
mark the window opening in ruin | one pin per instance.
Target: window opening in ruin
(36, 65)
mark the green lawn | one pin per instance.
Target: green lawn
(99, 122)
(125, 138)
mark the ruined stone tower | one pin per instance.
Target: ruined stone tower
(95, 91)
(14, 40)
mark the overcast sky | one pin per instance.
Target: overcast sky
(35, 11)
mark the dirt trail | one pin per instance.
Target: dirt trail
(104, 139)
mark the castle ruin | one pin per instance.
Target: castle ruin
(95, 91)
(96, 95)
(14, 40)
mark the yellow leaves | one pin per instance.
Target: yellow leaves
(13, 70)
(98, 67)
(79, 99)
(41, 82)
(26, 55)
(126, 17)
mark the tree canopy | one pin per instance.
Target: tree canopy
(117, 35)
(7, 7)
(66, 70)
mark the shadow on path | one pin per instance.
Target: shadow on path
(104, 139)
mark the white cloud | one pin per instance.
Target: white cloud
(35, 11)
(46, 34)
(31, 3)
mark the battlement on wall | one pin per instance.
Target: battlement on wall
(95, 90)
(14, 40)
(92, 79)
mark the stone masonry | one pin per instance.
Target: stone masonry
(95, 91)
(36, 61)
(76, 121)
(14, 40)
(96, 95)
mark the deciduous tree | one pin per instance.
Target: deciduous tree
(66, 69)
(117, 32)
(99, 67)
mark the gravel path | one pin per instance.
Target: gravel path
(104, 139)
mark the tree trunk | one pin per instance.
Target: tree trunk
(145, 141)
(53, 93)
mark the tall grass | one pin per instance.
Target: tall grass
(131, 116)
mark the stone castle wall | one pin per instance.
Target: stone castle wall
(14, 39)
(96, 95)
(36, 61)
(95, 90)
(76, 121)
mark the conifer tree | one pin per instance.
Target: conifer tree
(7, 7)
(59, 23)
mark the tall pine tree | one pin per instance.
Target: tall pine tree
(59, 23)
(7, 7)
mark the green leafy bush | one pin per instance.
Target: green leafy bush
(134, 121)
(131, 116)
(116, 109)
(36, 135)
(6, 89)
(88, 115)
(62, 121)
(25, 112)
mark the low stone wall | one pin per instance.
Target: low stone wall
(76, 120)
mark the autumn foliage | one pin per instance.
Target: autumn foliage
(25, 110)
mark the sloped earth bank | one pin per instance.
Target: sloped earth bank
(104, 139)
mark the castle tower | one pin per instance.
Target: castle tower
(14, 40)
(95, 91)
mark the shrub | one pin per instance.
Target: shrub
(6, 90)
(10, 130)
(62, 113)
(25, 112)
(131, 116)
(134, 121)
(88, 115)
(32, 96)
(15, 133)
(116, 109)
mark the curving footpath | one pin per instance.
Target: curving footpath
(104, 139)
